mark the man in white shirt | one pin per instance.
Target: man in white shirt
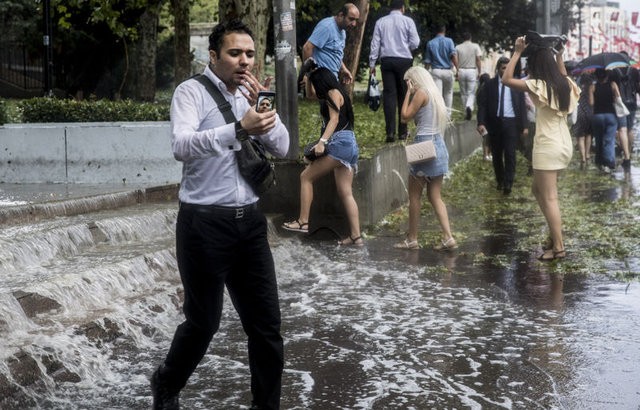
(394, 38)
(221, 235)
(469, 70)
(502, 113)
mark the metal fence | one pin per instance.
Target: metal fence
(21, 68)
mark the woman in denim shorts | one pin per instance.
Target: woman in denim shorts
(338, 142)
(424, 103)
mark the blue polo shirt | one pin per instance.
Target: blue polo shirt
(438, 52)
(328, 41)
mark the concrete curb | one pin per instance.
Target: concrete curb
(30, 213)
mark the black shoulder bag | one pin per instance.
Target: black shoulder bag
(253, 164)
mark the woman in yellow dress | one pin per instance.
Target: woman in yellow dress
(555, 95)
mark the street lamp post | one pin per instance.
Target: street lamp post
(284, 18)
(580, 6)
(48, 52)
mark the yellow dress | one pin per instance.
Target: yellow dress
(552, 145)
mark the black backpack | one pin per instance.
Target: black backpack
(628, 81)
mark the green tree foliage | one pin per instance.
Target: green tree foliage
(19, 25)
(493, 24)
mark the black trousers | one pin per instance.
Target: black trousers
(218, 247)
(394, 89)
(503, 141)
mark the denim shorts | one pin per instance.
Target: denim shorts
(343, 147)
(435, 167)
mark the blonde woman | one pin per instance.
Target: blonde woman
(424, 103)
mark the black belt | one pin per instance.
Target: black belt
(224, 211)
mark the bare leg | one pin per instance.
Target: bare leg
(434, 188)
(415, 193)
(587, 147)
(582, 148)
(545, 190)
(624, 142)
(311, 173)
(344, 181)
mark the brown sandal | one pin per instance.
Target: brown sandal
(349, 241)
(550, 255)
(296, 226)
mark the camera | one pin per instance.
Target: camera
(553, 41)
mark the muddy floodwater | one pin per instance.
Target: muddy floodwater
(485, 327)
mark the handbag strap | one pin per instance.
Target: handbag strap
(223, 104)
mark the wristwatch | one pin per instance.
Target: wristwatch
(241, 133)
(324, 141)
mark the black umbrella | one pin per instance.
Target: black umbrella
(601, 60)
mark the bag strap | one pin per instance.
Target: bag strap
(223, 104)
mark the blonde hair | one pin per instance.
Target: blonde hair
(421, 79)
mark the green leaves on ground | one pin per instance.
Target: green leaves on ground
(599, 212)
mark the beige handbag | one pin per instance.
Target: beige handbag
(621, 109)
(420, 152)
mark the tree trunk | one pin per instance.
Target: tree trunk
(182, 48)
(256, 14)
(145, 55)
(354, 42)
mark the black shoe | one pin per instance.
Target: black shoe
(626, 164)
(499, 186)
(163, 398)
(506, 190)
(402, 137)
(391, 138)
(468, 115)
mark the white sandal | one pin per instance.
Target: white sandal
(448, 245)
(412, 245)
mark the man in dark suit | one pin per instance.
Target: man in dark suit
(502, 113)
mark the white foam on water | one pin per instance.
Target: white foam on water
(358, 335)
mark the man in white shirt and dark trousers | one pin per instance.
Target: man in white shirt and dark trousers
(469, 70)
(394, 38)
(221, 235)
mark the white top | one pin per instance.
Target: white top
(467, 53)
(203, 141)
(394, 35)
(425, 121)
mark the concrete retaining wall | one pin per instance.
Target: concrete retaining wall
(136, 153)
(140, 153)
(379, 187)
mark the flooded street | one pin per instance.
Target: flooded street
(485, 327)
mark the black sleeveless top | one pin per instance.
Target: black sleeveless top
(603, 99)
(343, 121)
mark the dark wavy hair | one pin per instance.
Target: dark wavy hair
(220, 30)
(324, 81)
(542, 65)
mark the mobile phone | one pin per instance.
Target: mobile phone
(266, 101)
